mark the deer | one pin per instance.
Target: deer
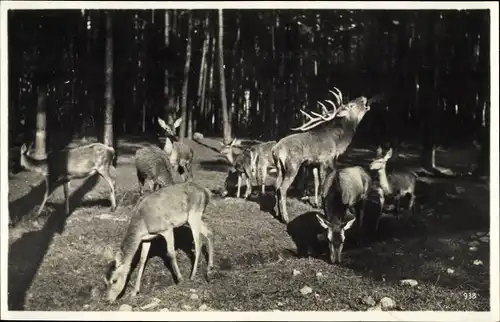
(157, 214)
(258, 160)
(395, 185)
(180, 154)
(264, 162)
(345, 192)
(243, 165)
(60, 167)
(153, 164)
(321, 140)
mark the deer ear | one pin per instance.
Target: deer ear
(322, 221)
(378, 152)
(342, 113)
(349, 223)
(168, 146)
(177, 122)
(162, 123)
(388, 155)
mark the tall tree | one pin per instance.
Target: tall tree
(185, 85)
(225, 113)
(203, 69)
(108, 93)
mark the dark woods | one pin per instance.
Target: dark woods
(431, 67)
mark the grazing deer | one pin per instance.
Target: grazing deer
(344, 190)
(396, 184)
(180, 154)
(60, 167)
(152, 163)
(323, 139)
(156, 215)
(242, 163)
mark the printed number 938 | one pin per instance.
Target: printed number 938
(470, 295)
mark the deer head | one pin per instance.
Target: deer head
(335, 236)
(380, 161)
(352, 111)
(227, 149)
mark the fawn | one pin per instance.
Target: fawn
(180, 154)
(344, 190)
(395, 185)
(157, 214)
(60, 167)
(243, 165)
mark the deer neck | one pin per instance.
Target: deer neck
(33, 164)
(230, 157)
(129, 245)
(384, 182)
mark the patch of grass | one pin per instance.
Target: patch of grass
(54, 269)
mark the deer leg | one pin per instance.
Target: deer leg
(110, 181)
(288, 178)
(207, 233)
(169, 238)
(141, 183)
(142, 264)
(249, 187)
(263, 174)
(411, 203)
(45, 195)
(397, 203)
(239, 186)
(66, 197)
(195, 225)
(316, 186)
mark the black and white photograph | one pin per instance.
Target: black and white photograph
(249, 160)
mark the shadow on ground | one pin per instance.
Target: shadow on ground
(26, 254)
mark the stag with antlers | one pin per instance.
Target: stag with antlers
(321, 140)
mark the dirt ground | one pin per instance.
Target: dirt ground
(60, 263)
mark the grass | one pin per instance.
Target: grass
(60, 265)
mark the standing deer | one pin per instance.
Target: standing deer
(344, 192)
(255, 161)
(263, 162)
(243, 165)
(62, 166)
(180, 154)
(156, 215)
(323, 139)
(395, 185)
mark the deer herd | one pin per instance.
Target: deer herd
(177, 200)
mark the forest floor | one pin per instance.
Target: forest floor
(60, 263)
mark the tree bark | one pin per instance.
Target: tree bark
(185, 86)
(225, 113)
(165, 65)
(203, 72)
(108, 94)
(41, 123)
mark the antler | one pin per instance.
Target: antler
(329, 115)
(338, 95)
(314, 121)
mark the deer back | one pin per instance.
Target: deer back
(171, 206)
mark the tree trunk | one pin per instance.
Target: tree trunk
(185, 87)
(166, 84)
(225, 113)
(108, 94)
(41, 123)
(203, 73)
